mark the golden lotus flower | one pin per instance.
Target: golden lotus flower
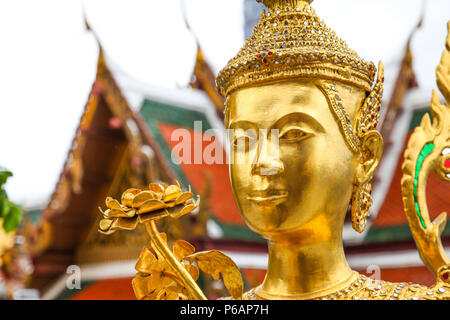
(167, 273)
(139, 206)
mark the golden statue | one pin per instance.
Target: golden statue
(295, 82)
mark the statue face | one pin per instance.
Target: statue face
(309, 179)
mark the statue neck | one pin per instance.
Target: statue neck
(308, 265)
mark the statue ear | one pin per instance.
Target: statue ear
(371, 151)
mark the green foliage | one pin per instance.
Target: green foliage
(4, 175)
(9, 212)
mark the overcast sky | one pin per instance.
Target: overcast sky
(48, 61)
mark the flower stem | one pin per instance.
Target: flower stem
(188, 281)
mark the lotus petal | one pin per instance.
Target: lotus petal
(154, 215)
(151, 296)
(113, 204)
(131, 213)
(142, 197)
(110, 231)
(197, 203)
(164, 186)
(187, 209)
(161, 281)
(174, 276)
(140, 286)
(175, 212)
(161, 295)
(146, 261)
(193, 271)
(172, 192)
(184, 197)
(172, 295)
(217, 264)
(124, 223)
(128, 195)
(182, 248)
(115, 213)
(151, 205)
(104, 213)
(156, 187)
(176, 293)
(105, 225)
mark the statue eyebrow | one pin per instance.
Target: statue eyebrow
(299, 117)
(242, 124)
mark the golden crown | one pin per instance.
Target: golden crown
(291, 41)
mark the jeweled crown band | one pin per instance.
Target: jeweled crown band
(341, 115)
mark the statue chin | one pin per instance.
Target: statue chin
(266, 220)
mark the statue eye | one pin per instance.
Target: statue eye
(244, 142)
(292, 135)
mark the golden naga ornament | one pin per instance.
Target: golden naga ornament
(429, 151)
(295, 80)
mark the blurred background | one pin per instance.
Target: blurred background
(92, 91)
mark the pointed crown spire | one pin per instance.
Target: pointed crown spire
(291, 41)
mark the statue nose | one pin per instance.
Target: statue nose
(267, 170)
(267, 162)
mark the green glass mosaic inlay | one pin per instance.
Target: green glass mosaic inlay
(427, 149)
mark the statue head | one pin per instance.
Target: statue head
(303, 112)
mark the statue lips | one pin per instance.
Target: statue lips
(268, 197)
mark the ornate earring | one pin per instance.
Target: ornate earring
(361, 202)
